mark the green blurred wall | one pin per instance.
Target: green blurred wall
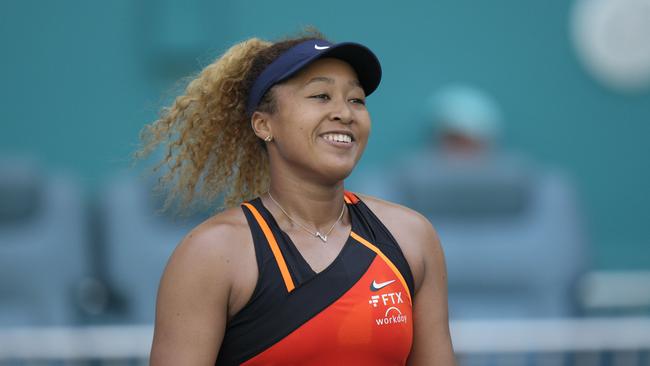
(80, 78)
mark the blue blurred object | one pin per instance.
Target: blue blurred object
(138, 242)
(465, 110)
(43, 254)
(512, 234)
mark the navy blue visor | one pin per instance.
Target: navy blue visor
(362, 60)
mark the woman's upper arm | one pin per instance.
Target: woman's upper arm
(431, 338)
(192, 304)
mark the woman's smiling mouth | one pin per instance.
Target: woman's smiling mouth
(338, 139)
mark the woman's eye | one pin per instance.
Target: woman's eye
(358, 101)
(321, 96)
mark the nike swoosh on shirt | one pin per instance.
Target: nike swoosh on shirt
(374, 286)
(321, 47)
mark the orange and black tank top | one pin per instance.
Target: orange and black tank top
(357, 311)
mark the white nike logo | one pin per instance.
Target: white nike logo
(321, 47)
(374, 286)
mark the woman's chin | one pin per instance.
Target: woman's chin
(335, 173)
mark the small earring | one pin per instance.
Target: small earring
(268, 138)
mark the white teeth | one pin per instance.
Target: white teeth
(337, 137)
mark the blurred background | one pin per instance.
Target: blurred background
(519, 128)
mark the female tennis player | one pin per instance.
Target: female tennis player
(297, 271)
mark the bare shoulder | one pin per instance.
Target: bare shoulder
(199, 287)
(220, 239)
(219, 232)
(402, 216)
(210, 257)
(414, 233)
(215, 261)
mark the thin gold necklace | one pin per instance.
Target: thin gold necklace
(317, 234)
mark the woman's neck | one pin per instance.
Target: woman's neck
(314, 205)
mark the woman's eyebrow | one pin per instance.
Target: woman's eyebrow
(325, 79)
(355, 82)
(320, 78)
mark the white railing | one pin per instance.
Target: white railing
(557, 335)
(469, 337)
(75, 343)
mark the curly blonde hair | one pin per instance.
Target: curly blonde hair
(211, 149)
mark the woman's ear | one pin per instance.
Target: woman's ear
(260, 124)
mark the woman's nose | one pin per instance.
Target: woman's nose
(342, 112)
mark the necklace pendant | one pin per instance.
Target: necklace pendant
(321, 236)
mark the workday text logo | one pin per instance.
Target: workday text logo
(392, 316)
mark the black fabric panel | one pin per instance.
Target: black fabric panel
(300, 270)
(376, 233)
(263, 252)
(273, 313)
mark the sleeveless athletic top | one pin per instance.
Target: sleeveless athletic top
(357, 311)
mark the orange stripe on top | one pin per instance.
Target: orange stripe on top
(382, 256)
(274, 247)
(350, 197)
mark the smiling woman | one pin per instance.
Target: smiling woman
(323, 120)
(302, 272)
